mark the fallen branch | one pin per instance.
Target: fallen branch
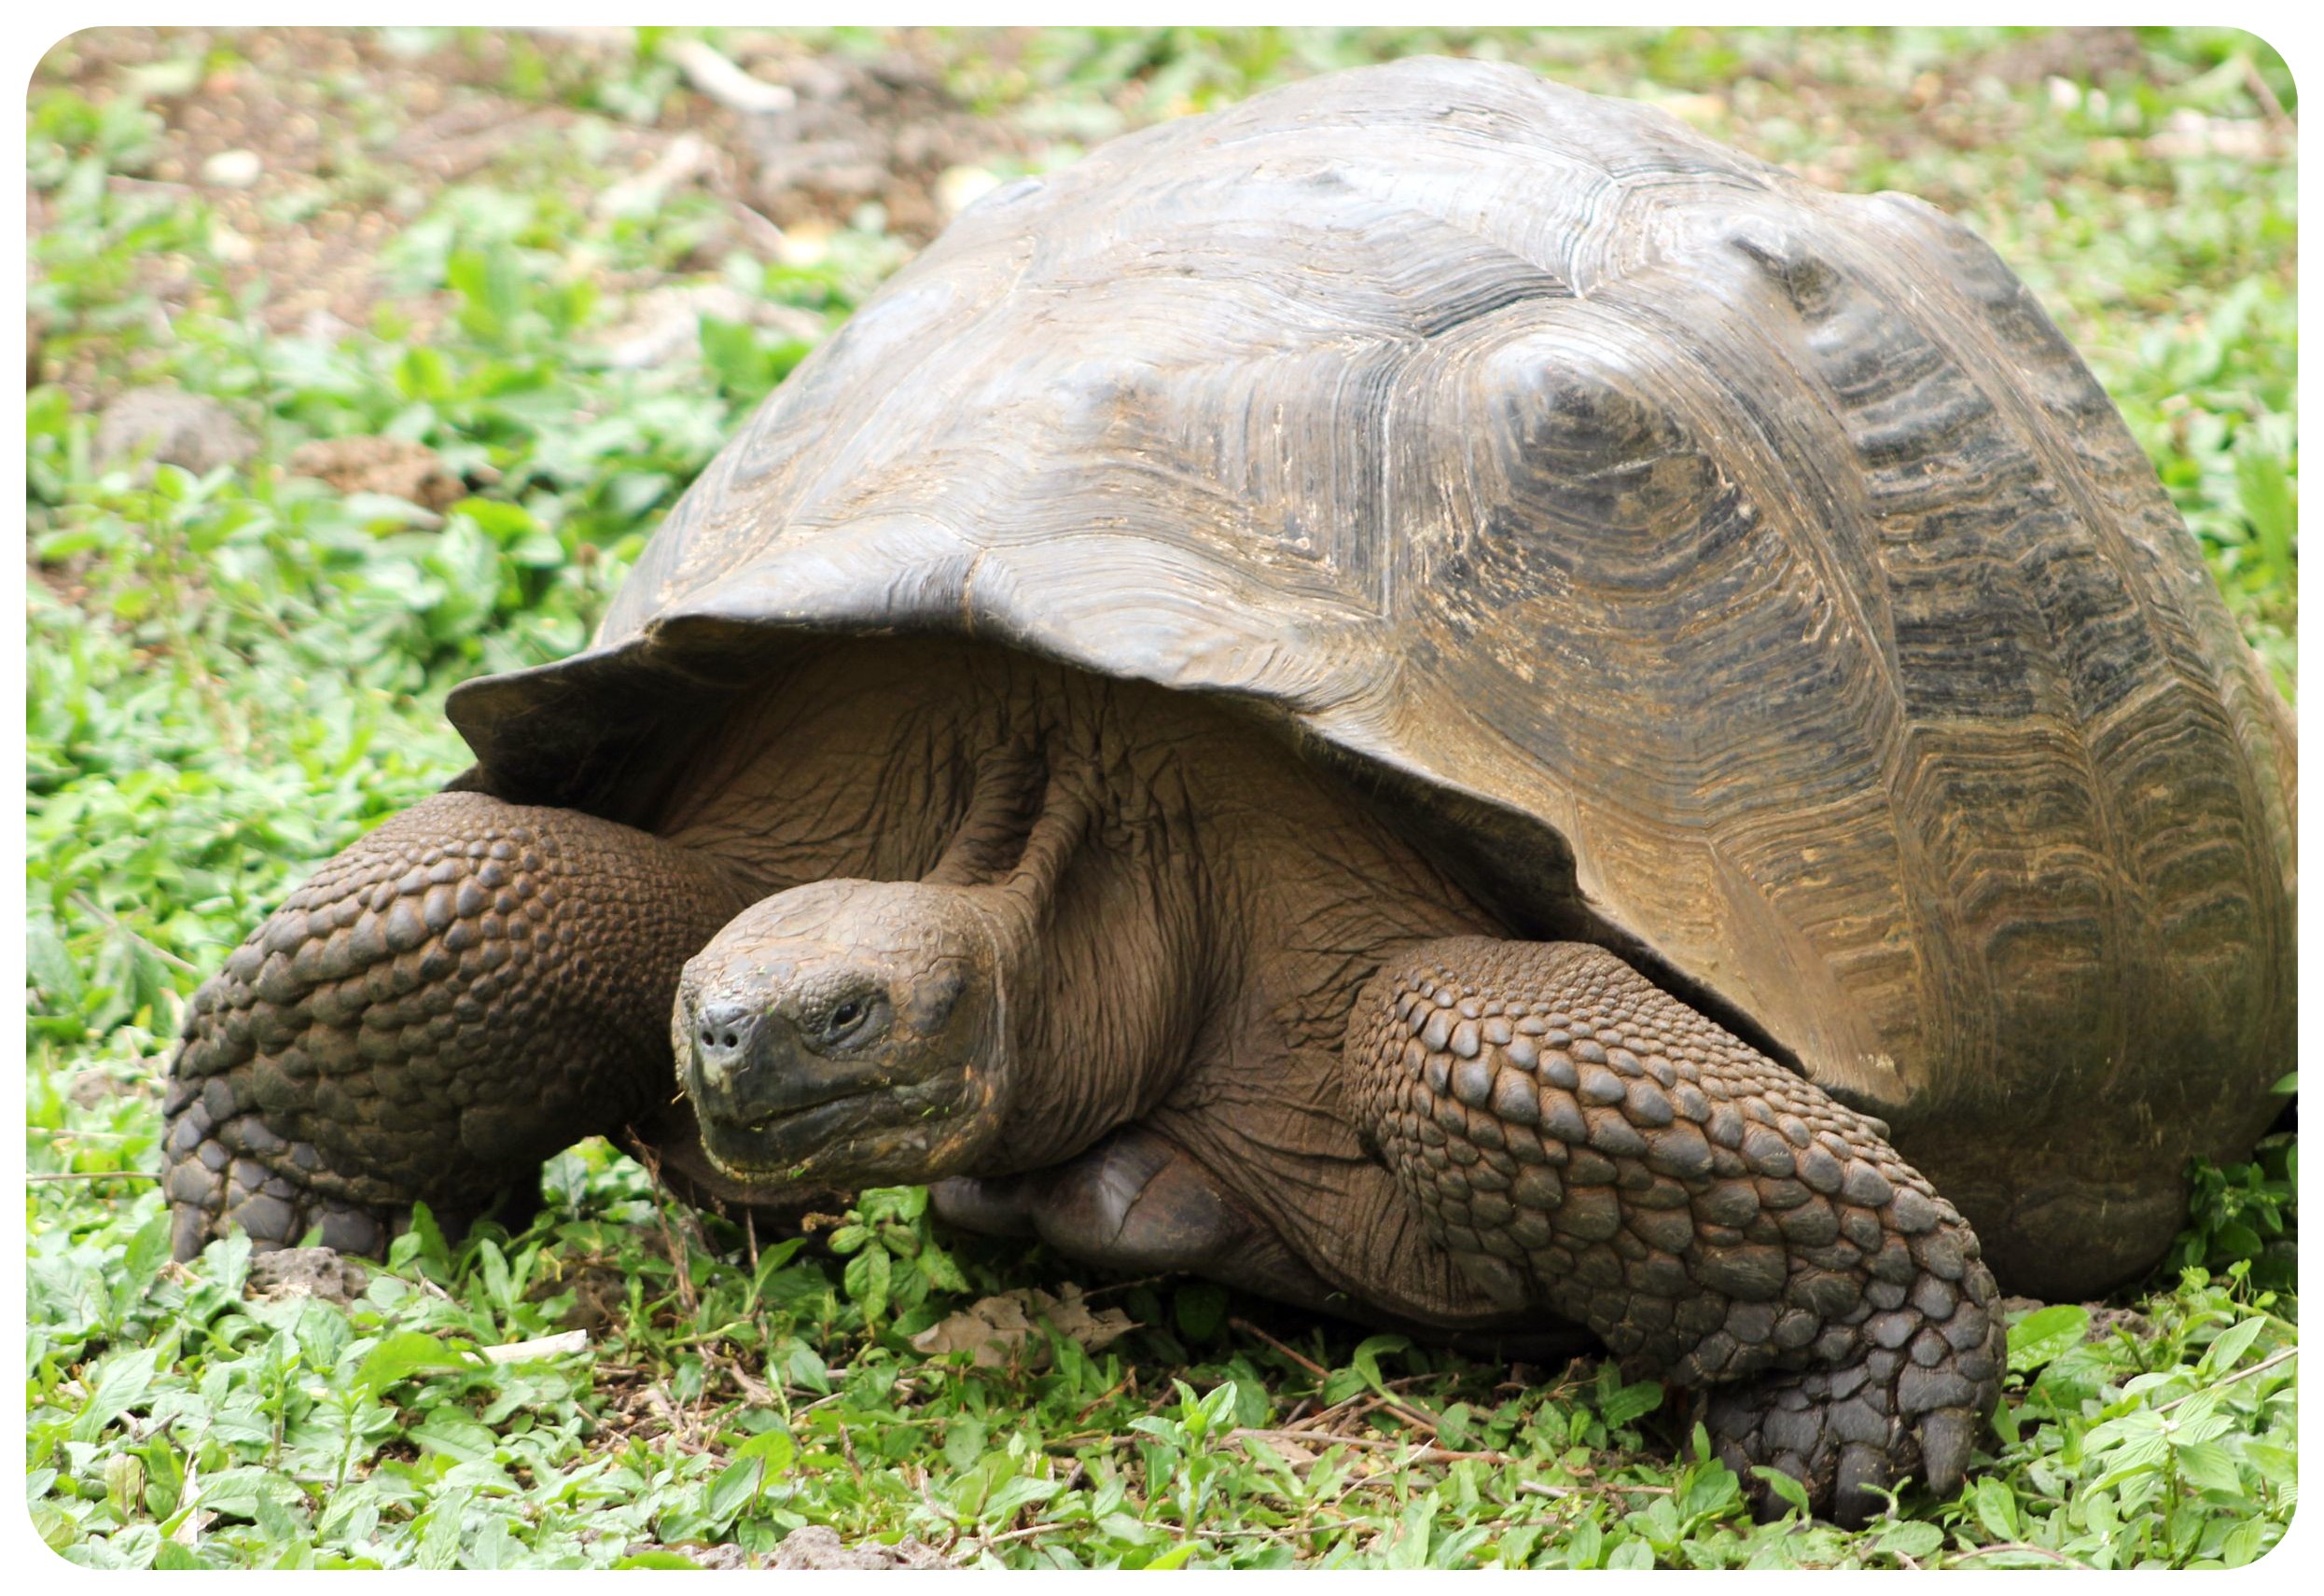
(679, 1262)
(726, 83)
(756, 228)
(1557, 1492)
(2058, 1557)
(2265, 96)
(538, 1347)
(1307, 1438)
(1416, 1420)
(146, 943)
(684, 159)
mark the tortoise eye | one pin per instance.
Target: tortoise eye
(848, 1017)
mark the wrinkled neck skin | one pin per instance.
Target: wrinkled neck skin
(1183, 911)
(1013, 783)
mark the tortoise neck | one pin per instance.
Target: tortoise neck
(1091, 888)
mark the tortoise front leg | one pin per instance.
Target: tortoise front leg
(1571, 1131)
(467, 990)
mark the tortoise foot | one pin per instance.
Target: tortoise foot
(228, 1169)
(454, 997)
(1915, 1406)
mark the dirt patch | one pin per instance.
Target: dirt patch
(315, 147)
(883, 130)
(817, 1546)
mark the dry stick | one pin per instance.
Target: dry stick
(1098, 1291)
(2266, 1362)
(2058, 1557)
(726, 83)
(1018, 1535)
(1543, 1488)
(1120, 1386)
(115, 921)
(1398, 1409)
(2274, 107)
(661, 1219)
(1322, 1416)
(1419, 1453)
(757, 227)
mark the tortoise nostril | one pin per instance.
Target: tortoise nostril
(723, 1029)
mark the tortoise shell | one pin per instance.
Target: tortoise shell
(1746, 576)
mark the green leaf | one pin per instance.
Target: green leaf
(1199, 1309)
(1631, 1402)
(1014, 1495)
(2047, 1333)
(964, 1441)
(2206, 1467)
(2243, 1544)
(1911, 1538)
(774, 1448)
(771, 1261)
(406, 1353)
(1996, 1509)
(1631, 1554)
(2231, 1344)
(147, 1252)
(1783, 1485)
(2237, 1240)
(867, 1277)
(2004, 1421)
(2263, 485)
(51, 967)
(120, 1382)
(1366, 1358)
(735, 1489)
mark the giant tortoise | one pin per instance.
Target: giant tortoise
(1431, 696)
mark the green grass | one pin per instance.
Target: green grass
(231, 677)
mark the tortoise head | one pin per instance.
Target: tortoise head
(849, 1031)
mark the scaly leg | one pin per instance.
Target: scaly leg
(1569, 1130)
(465, 991)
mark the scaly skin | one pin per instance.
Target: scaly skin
(463, 993)
(1577, 1137)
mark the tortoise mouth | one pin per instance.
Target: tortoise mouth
(781, 1145)
(848, 1137)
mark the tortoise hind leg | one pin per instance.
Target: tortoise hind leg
(1139, 1203)
(1571, 1131)
(461, 993)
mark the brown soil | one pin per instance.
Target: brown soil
(315, 147)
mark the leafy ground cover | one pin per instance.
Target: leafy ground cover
(556, 272)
